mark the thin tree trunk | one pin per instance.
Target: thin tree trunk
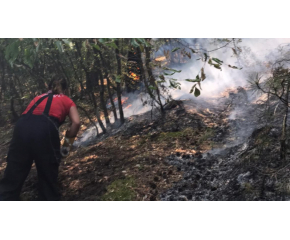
(283, 150)
(143, 75)
(104, 64)
(102, 99)
(76, 76)
(98, 113)
(111, 98)
(12, 109)
(119, 93)
(87, 114)
(102, 88)
(152, 79)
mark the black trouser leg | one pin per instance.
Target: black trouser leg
(46, 154)
(14, 176)
(47, 170)
(19, 161)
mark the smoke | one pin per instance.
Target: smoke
(256, 56)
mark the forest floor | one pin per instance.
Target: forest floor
(129, 165)
(203, 151)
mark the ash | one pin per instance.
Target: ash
(246, 167)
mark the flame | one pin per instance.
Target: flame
(160, 59)
(123, 100)
(130, 105)
(134, 76)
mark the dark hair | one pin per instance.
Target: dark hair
(57, 85)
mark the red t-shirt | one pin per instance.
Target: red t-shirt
(59, 108)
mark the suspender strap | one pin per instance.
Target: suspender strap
(48, 104)
(36, 104)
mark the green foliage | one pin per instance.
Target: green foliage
(120, 190)
(217, 61)
(59, 46)
(168, 74)
(174, 84)
(29, 56)
(12, 51)
(209, 133)
(118, 79)
(171, 69)
(175, 49)
(234, 67)
(196, 92)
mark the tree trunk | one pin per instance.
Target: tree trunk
(283, 149)
(143, 75)
(102, 98)
(152, 79)
(105, 66)
(98, 113)
(14, 114)
(76, 76)
(119, 93)
(102, 88)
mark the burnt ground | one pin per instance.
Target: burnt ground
(220, 151)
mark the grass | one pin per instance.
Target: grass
(120, 190)
(209, 133)
(181, 138)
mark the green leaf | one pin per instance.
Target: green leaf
(217, 61)
(205, 57)
(234, 67)
(84, 44)
(234, 51)
(134, 43)
(196, 92)
(118, 79)
(171, 69)
(37, 47)
(12, 51)
(102, 40)
(59, 45)
(175, 49)
(152, 87)
(203, 76)
(173, 83)
(112, 44)
(169, 74)
(96, 46)
(217, 66)
(143, 42)
(193, 51)
(162, 77)
(66, 41)
(191, 90)
(192, 80)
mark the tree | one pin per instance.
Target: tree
(278, 86)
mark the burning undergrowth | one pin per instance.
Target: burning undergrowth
(245, 167)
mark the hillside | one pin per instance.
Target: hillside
(214, 149)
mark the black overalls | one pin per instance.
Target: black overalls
(35, 138)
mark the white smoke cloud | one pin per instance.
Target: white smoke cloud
(255, 54)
